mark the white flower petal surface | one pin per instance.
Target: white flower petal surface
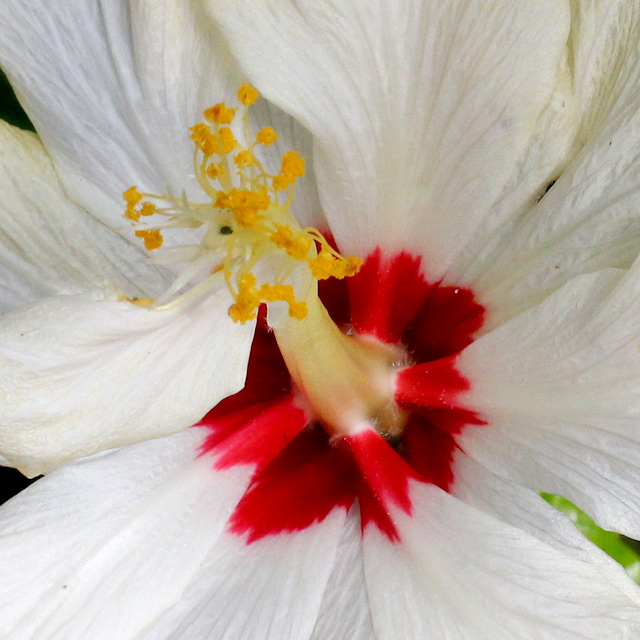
(589, 218)
(459, 574)
(419, 110)
(119, 537)
(48, 245)
(523, 508)
(269, 590)
(344, 612)
(559, 386)
(118, 118)
(121, 117)
(82, 375)
(604, 37)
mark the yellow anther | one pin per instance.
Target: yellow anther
(214, 171)
(298, 310)
(247, 218)
(227, 140)
(281, 182)
(271, 293)
(220, 114)
(132, 196)
(297, 247)
(353, 265)
(238, 199)
(284, 293)
(300, 247)
(266, 136)
(282, 236)
(152, 238)
(292, 165)
(247, 281)
(330, 265)
(244, 158)
(217, 269)
(147, 209)
(247, 95)
(247, 300)
(141, 302)
(202, 135)
(324, 265)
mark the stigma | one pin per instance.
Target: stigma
(250, 239)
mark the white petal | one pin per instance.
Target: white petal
(99, 548)
(268, 590)
(121, 117)
(525, 509)
(589, 218)
(47, 244)
(604, 38)
(344, 612)
(420, 110)
(550, 149)
(82, 375)
(458, 574)
(559, 386)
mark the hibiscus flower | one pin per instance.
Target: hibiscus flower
(319, 406)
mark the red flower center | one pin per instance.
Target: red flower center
(300, 473)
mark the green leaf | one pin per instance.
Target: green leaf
(621, 549)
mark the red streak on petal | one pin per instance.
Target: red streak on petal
(446, 323)
(301, 486)
(300, 476)
(335, 297)
(384, 481)
(267, 374)
(450, 421)
(255, 435)
(432, 384)
(429, 450)
(386, 295)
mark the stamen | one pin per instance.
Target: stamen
(247, 223)
(152, 238)
(247, 95)
(266, 136)
(220, 114)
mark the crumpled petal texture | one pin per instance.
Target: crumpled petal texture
(154, 496)
(49, 245)
(432, 105)
(121, 117)
(82, 375)
(559, 385)
(144, 96)
(137, 540)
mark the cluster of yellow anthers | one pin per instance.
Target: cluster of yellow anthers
(247, 218)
